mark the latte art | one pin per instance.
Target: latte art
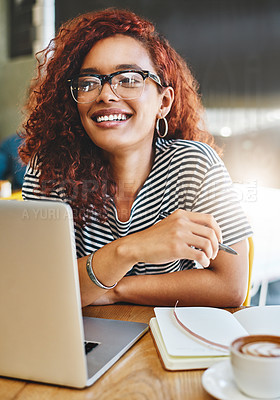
(261, 349)
(255, 362)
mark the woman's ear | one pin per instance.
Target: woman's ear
(166, 101)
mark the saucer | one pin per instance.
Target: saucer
(218, 381)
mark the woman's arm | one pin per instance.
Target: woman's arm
(223, 284)
(179, 236)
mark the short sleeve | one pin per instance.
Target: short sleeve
(216, 196)
(31, 189)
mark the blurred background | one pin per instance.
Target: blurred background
(233, 50)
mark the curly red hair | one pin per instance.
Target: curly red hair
(53, 130)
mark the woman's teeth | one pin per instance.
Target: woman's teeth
(112, 117)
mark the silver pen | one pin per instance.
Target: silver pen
(228, 249)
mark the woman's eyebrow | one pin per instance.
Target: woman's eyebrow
(116, 68)
(89, 71)
(128, 66)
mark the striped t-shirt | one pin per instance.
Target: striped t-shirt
(185, 175)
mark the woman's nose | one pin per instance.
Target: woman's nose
(106, 94)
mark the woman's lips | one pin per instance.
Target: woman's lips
(110, 116)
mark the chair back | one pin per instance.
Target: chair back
(251, 258)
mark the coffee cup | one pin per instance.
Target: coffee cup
(255, 361)
(5, 189)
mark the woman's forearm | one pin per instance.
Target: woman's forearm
(109, 264)
(178, 236)
(222, 285)
(190, 288)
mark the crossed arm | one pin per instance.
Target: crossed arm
(221, 283)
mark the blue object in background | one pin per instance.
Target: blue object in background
(11, 167)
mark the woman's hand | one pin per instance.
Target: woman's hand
(181, 235)
(222, 285)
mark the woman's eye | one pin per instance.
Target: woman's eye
(130, 81)
(87, 85)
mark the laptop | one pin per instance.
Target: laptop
(43, 336)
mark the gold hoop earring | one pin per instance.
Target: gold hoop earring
(165, 127)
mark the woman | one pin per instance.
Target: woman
(112, 129)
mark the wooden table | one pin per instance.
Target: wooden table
(138, 375)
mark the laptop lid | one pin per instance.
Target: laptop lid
(42, 330)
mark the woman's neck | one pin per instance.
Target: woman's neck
(130, 171)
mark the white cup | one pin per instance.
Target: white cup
(255, 361)
(5, 189)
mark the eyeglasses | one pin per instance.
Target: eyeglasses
(127, 85)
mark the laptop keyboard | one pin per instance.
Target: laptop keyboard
(89, 346)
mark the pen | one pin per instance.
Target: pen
(227, 249)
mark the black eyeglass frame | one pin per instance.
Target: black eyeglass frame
(108, 78)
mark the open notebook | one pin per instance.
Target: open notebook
(181, 350)
(43, 334)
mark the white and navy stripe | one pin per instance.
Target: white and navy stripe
(185, 174)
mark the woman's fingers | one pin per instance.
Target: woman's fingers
(199, 256)
(198, 230)
(206, 220)
(181, 235)
(203, 244)
(204, 238)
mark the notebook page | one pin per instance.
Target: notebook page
(212, 323)
(260, 320)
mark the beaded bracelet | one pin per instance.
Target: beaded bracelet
(92, 275)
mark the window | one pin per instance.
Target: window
(21, 33)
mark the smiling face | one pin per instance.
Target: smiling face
(115, 124)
